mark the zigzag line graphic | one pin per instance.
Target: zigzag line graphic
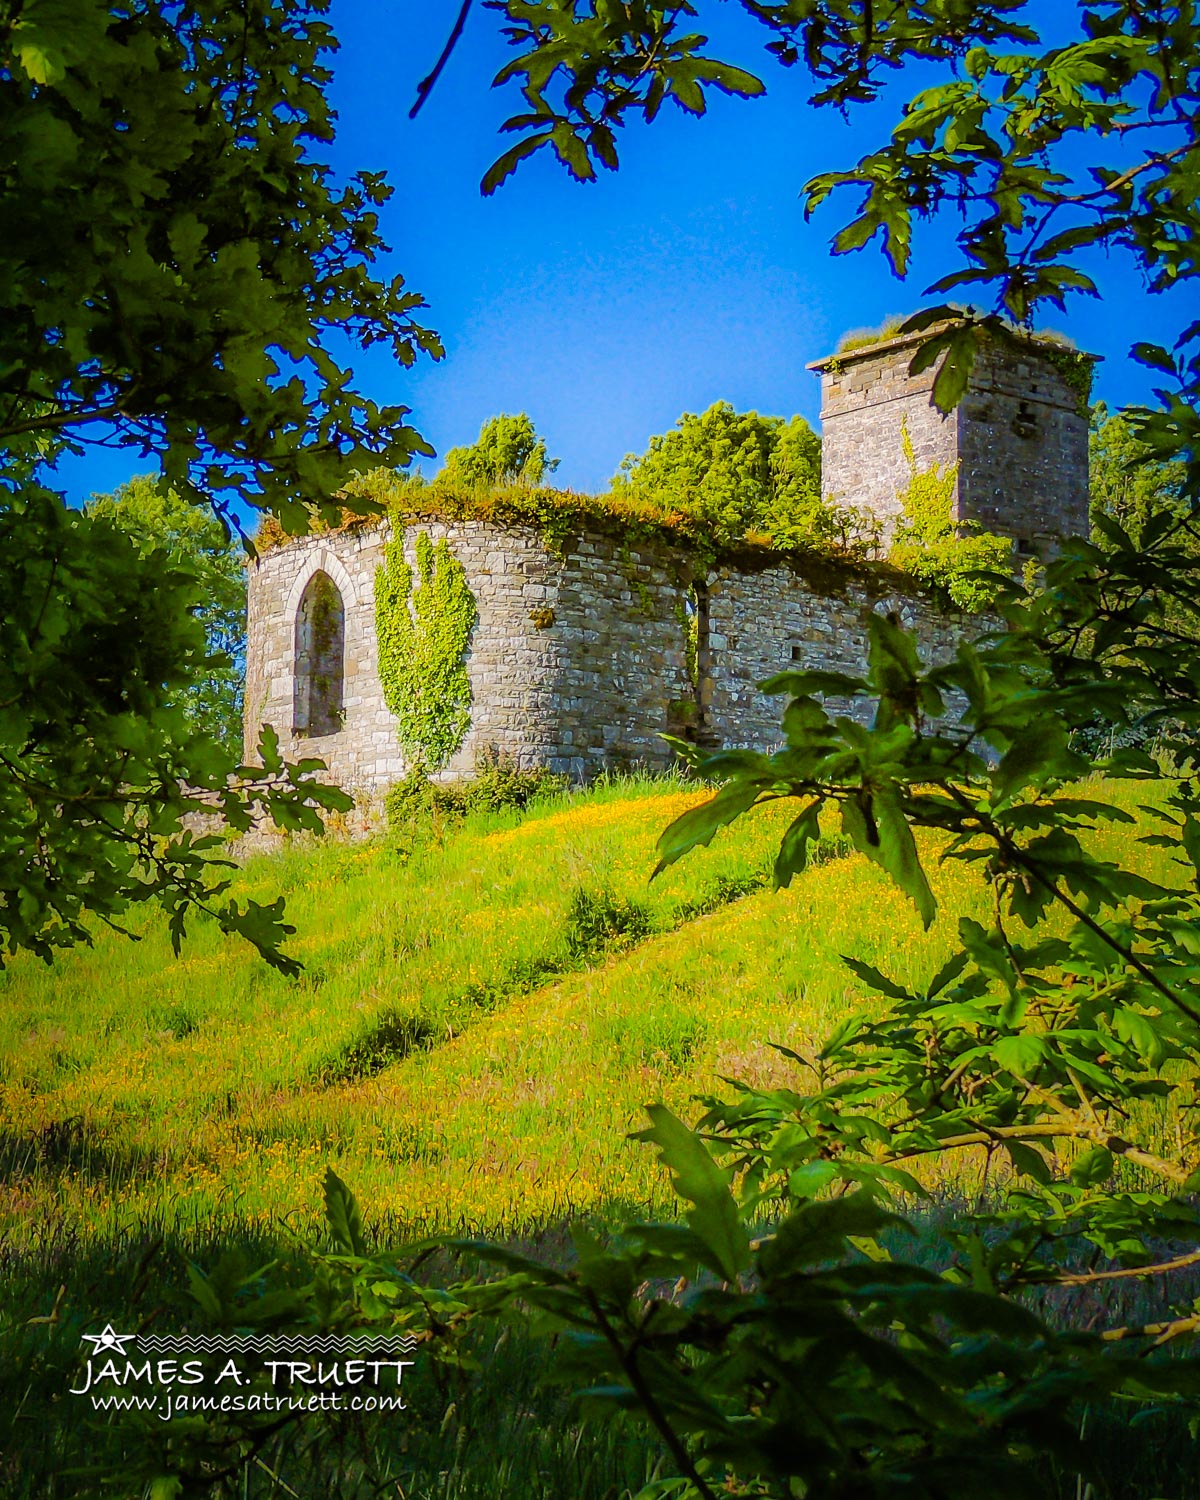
(277, 1343)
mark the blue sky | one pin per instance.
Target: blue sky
(607, 310)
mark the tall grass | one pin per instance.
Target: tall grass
(477, 1027)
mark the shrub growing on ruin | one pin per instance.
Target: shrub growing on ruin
(742, 475)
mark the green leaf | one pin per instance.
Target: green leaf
(342, 1215)
(948, 973)
(1020, 1054)
(793, 848)
(950, 383)
(506, 164)
(818, 1231)
(1035, 754)
(876, 980)
(897, 853)
(1028, 1162)
(571, 149)
(1092, 1167)
(1155, 356)
(696, 1177)
(1139, 1032)
(203, 1293)
(812, 684)
(610, 1274)
(699, 826)
(730, 80)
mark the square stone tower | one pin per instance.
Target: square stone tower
(1017, 443)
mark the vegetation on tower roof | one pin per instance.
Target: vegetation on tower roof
(863, 338)
(893, 327)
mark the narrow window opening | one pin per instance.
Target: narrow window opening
(702, 674)
(688, 716)
(1025, 424)
(320, 645)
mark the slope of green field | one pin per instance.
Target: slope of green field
(477, 1028)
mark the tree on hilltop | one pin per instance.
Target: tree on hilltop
(508, 450)
(193, 538)
(739, 473)
(1127, 482)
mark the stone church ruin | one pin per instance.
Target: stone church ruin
(583, 650)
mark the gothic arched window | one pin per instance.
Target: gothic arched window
(320, 658)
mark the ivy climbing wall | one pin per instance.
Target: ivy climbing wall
(575, 661)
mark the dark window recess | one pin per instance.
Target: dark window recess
(688, 717)
(797, 653)
(317, 706)
(1024, 424)
(1026, 547)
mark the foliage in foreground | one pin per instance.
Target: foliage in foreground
(180, 271)
(198, 543)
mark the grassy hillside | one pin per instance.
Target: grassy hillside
(477, 1027)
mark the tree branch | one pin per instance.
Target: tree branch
(425, 87)
(1164, 1268)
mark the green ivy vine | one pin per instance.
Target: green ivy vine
(1077, 370)
(949, 556)
(423, 635)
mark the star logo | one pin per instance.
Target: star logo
(108, 1340)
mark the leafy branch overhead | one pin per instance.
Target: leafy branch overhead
(1047, 152)
(583, 67)
(186, 261)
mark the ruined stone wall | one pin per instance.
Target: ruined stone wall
(574, 663)
(781, 619)
(1018, 437)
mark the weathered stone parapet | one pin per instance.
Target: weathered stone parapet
(576, 662)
